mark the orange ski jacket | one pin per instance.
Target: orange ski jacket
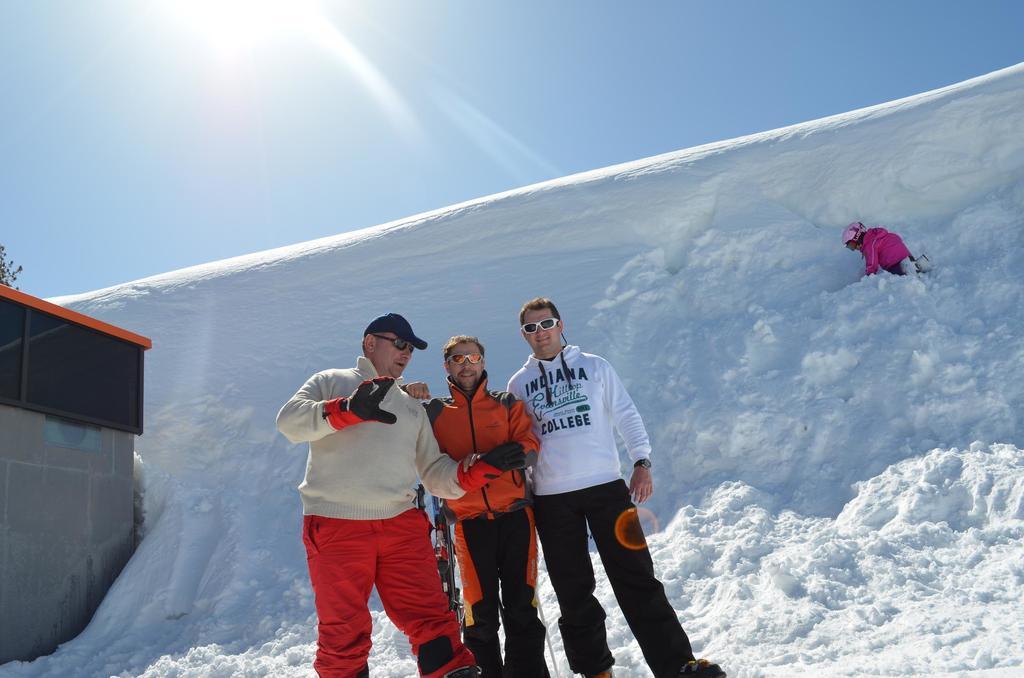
(467, 424)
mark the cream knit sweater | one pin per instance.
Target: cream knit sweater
(365, 471)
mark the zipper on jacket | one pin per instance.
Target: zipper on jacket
(472, 428)
(472, 436)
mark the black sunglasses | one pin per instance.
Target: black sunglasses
(400, 344)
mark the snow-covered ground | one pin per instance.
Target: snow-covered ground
(839, 478)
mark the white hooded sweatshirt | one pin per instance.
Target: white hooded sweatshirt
(574, 404)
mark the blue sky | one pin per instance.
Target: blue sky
(139, 138)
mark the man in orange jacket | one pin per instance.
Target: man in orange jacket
(495, 536)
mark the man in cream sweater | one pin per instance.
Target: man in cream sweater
(368, 442)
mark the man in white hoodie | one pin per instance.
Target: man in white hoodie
(576, 402)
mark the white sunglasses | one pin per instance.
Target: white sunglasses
(545, 324)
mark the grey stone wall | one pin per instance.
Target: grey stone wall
(66, 530)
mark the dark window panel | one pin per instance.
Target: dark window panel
(12, 329)
(79, 371)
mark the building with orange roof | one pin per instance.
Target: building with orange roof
(71, 395)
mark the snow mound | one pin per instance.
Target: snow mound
(926, 540)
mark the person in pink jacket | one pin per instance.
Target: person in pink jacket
(880, 249)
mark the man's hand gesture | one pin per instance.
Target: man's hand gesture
(365, 400)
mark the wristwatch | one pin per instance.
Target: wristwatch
(646, 463)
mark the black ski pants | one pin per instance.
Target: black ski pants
(562, 521)
(501, 549)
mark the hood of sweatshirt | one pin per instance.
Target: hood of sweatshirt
(569, 353)
(565, 357)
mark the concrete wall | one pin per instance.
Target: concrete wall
(66, 530)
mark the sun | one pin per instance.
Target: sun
(236, 27)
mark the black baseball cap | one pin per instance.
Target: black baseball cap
(397, 325)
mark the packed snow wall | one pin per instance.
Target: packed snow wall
(713, 278)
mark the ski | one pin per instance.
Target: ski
(444, 547)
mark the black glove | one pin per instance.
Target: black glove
(365, 400)
(506, 457)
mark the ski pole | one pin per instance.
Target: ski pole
(547, 632)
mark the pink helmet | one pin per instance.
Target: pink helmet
(853, 231)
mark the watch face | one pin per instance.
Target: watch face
(646, 463)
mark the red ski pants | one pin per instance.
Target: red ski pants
(346, 559)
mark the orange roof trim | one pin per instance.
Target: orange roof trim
(73, 316)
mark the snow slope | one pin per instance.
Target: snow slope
(837, 463)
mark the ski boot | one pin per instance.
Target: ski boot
(464, 672)
(701, 668)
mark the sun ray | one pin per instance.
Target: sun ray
(515, 156)
(329, 38)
